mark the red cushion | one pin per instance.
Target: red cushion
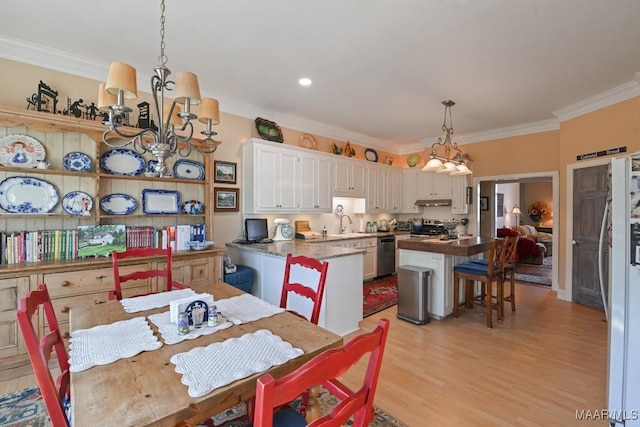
(506, 232)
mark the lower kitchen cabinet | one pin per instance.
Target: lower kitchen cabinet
(369, 263)
(82, 282)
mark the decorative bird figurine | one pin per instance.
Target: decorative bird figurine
(336, 150)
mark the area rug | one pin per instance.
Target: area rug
(25, 408)
(541, 280)
(379, 294)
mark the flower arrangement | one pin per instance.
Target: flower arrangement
(538, 211)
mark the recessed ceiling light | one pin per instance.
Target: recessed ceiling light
(304, 81)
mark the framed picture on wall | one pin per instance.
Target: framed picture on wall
(484, 203)
(225, 172)
(499, 204)
(226, 199)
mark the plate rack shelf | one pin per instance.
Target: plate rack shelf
(61, 135)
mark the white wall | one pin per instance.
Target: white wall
(511, 194)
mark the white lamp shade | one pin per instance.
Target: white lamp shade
(187, 87)
(433, 165)
(516, 210)
(461, 170)
(209, 109)
(448, 168)
(122, 77)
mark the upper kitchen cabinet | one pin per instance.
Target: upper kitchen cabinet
(395, 194)
(270, 178)
(433, 185)
(459, 185)
(349, 178)
(376, 199)
(410, 191)
(315, 183)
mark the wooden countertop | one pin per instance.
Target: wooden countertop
(465, 247)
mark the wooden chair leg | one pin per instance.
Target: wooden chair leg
(468, 293)
(512, 297)
(500, 299)
(313, 407)
(488, 298)
(456, 294)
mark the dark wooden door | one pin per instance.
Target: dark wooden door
(589, 198)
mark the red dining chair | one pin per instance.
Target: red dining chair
(325, 369)
(314, 293)
(56, 394)
(165, 272)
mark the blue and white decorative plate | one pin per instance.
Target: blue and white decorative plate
(77, 203)
(118, 204)
(160, 202)
(77, 162)
(197, 304)
(193, 207)
(371, 155)
(189, 169)
(22, 194)
(121, 161)
(21, 151)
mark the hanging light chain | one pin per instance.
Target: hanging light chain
(162, 59)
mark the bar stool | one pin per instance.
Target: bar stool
(509, 270)
(487, 275)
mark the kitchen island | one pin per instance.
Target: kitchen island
(342, 302)
(441, 256)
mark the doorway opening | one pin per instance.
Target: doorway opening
(503, 194)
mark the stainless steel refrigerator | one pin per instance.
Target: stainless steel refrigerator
(621, 230)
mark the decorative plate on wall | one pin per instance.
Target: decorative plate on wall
(20, 151)
(160, 202)
(21, 194)
(77, 203)
(118, 204)
(188, 169)
(193, 207)
(371, 155)
(76, 161)
(121, 161)
(307, 141)
(269, 130)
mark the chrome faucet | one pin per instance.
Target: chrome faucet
(341, 231)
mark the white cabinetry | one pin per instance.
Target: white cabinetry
(369, 262)
(394, 186)
(270, 179)
(348, 178)
(432, 185)
(315, 183)
(410, 191)
(459, 194)
(376, 189)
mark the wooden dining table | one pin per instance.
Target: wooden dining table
(146, 390)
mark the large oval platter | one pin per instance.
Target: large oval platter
(20, 151)
(188, 169)
(76, 161)
(118, 204)
(121, 161)
(77, 203)
(21, 194)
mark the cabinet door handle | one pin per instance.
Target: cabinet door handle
(66, 335)
(65, 283)
(65, 309)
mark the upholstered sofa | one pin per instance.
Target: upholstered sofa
(529, 251)
(540, 237)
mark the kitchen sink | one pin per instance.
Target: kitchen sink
(349, 235)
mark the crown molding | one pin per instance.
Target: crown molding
(605, 99)
(46, 57)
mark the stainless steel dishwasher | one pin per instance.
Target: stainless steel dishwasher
(386, 255)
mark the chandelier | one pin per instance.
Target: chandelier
(165, 141)
(453, 164)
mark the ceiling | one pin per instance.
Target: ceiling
(380, 68)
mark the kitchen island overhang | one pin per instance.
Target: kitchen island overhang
(441, 257)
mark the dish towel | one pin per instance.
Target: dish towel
(204, 369)
(105, 344)
(149, 302)
(169, 330)
(246, 308)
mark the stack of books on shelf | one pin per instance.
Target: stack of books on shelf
(92, 241)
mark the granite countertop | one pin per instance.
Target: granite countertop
(311, 248)
(463, 247)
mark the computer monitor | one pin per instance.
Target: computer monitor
(256, 229)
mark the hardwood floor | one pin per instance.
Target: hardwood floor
(537, 367)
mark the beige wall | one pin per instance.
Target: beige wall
(614, 126)
(534, 192)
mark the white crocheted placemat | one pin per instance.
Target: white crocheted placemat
(105, 344)
(169, 330)
(204, 369)
(246, 308)
(149, 302)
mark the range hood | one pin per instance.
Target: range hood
(433, 202)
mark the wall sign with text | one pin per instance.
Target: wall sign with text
(602, 153)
